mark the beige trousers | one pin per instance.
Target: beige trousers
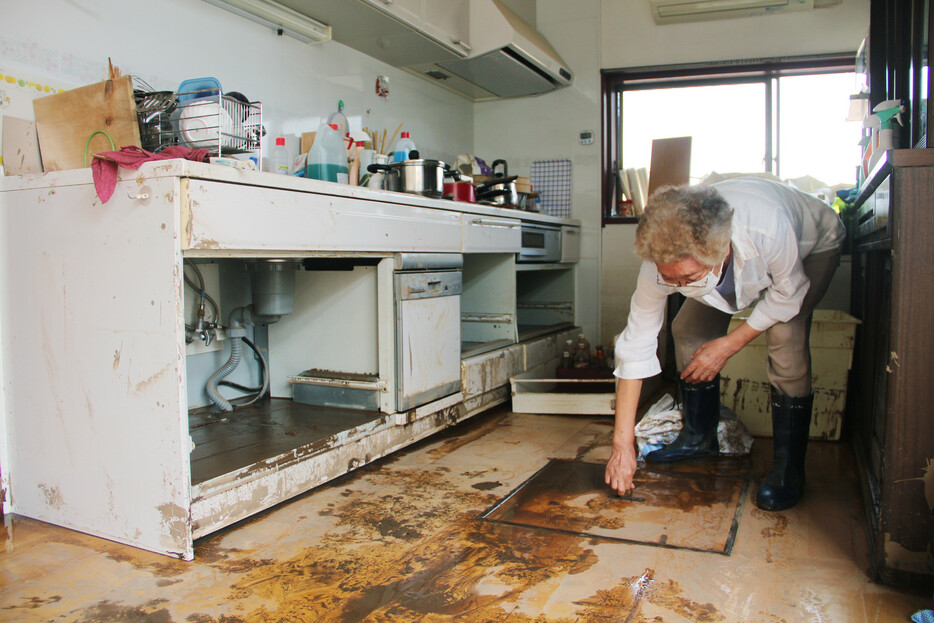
(789, 364)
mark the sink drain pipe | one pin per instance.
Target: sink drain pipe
(273, 297)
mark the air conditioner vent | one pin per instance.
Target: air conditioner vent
(675, 11)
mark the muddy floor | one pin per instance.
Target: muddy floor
(503, 518)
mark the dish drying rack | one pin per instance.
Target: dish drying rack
(222, 124)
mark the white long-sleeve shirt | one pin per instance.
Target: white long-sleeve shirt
(774, 227)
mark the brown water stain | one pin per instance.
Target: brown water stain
(466, 432)
(31, 603)
(110, 612)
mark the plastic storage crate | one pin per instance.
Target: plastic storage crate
(744, 385)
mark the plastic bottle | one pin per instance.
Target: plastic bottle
(566, 361)
(280, 158)
(599, 357)
(582, 354)
(402, 147)
(571, 349)
(327, 158)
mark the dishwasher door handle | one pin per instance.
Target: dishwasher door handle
(491, 223)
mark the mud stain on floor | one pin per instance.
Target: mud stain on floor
(111, 612)
(464, 433)
(690, 511)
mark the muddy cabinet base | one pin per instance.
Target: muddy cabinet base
(278, 448)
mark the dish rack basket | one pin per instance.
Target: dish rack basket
(222, 124)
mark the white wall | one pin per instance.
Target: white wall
(67, 42)
(595, 34)
(630, 38)
(547, 127)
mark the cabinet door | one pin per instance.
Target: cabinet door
(570, 244)
(407, 11)
(429, 352)
(448, 21)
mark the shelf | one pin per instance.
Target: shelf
(544, 266)
(229, 442)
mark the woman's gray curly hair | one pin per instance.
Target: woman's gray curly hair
(685, 221)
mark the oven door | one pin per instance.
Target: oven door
(428, 337)
(540, 243)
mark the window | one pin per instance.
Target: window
(782, 116)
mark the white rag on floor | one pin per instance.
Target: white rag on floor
(662, 422)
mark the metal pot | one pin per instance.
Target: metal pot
(499, 191)
(419, 177)
(382, 176)
(460, 191)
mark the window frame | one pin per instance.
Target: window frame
(614, 81)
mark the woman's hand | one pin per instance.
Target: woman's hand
(709, 359)
(621, 468)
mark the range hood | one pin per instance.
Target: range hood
(504, 56)
(509, 57)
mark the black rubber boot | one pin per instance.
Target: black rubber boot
(791, 422)
(698, 436)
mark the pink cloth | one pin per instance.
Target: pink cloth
(104, 169)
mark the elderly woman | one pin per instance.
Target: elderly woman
(741, 243)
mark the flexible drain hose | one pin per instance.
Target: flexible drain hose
(236, 348)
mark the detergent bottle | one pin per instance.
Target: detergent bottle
(327, 159)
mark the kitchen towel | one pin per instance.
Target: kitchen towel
(105, 164)
(551, 179)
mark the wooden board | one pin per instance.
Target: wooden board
(671, 163)
(65, 121)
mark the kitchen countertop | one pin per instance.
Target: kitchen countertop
(221, 173)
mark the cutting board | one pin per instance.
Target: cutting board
(20, 147)
(64, 122)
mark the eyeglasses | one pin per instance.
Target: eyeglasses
(687, 282)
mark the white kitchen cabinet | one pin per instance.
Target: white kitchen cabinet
(99, 432)
(570, 244)
(446, 22)
(236, 212)
(490, 234)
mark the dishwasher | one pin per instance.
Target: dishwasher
(427, 294)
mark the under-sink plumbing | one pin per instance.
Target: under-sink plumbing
(273, 297)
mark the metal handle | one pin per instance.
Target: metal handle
(463, 44)
(572, 231)
(480, 221)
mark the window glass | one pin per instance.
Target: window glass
(726, 124)
(728, 127)
(814, 136)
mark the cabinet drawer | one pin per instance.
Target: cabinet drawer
(218, 216)
(490, 234)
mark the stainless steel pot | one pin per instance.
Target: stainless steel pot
(419, 177)
(383, 176)
(499, 191)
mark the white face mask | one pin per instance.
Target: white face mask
(699, 288)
